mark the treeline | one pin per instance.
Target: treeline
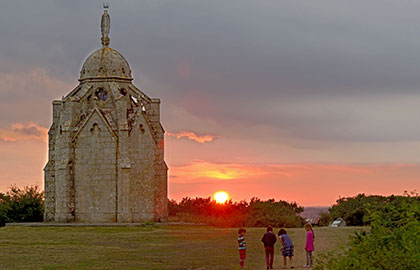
(393, 242)
(256, 213)
(354, 210)
(21, 205)
(27, 205)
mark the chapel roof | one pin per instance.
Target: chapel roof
(105, 63)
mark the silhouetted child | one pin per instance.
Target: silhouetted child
(309, 246)
(242, 247)
(287, 249)
(269, 239)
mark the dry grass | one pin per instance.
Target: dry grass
(151, 248)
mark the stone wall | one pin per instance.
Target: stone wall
(95, 172)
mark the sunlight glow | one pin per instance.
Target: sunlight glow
(221, 196)
(199, 169)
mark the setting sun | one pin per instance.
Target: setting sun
(221, 197)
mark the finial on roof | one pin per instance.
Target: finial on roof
(105, 25)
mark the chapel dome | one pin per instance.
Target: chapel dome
(105, 63)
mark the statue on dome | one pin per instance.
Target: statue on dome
(105, 25)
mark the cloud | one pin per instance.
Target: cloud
(33, 83)
(308, 184)
(24, 132)
(207, 171)
(26, 95)
(199, 170)
(192, 136)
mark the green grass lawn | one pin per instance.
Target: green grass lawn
(163, 247)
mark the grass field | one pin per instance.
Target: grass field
(151, 248)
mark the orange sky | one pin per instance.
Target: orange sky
(309, 184)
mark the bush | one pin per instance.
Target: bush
(392, 243)
(205, 210)
(21, 205)
(256, 213)
(278, 214)
(353, 209)
(325, 219)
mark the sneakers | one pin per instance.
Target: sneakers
(307, 266)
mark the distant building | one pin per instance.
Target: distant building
(106, 147)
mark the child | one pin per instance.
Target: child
(242, 247)
(287, 249)
(269, 239)
(309, 247)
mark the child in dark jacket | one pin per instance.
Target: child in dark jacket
(269, 239)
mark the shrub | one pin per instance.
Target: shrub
(21, 205)
(325, 219)
(278, 214)
(353, 209)
(257, 213)
(392, 243)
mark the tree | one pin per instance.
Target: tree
(325, 219)
(393, 242)
(22, 205)
(277, 214)
(234, 214)
(353, 209)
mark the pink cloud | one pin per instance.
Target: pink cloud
(199, 170)
(24, 132)
(192, 136)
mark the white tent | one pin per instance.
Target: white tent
(339, 222)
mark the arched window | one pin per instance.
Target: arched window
(101, 94)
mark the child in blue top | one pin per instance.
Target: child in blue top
(287, 249)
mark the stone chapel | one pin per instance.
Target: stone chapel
(106, 147)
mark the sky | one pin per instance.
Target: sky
(303, 101)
